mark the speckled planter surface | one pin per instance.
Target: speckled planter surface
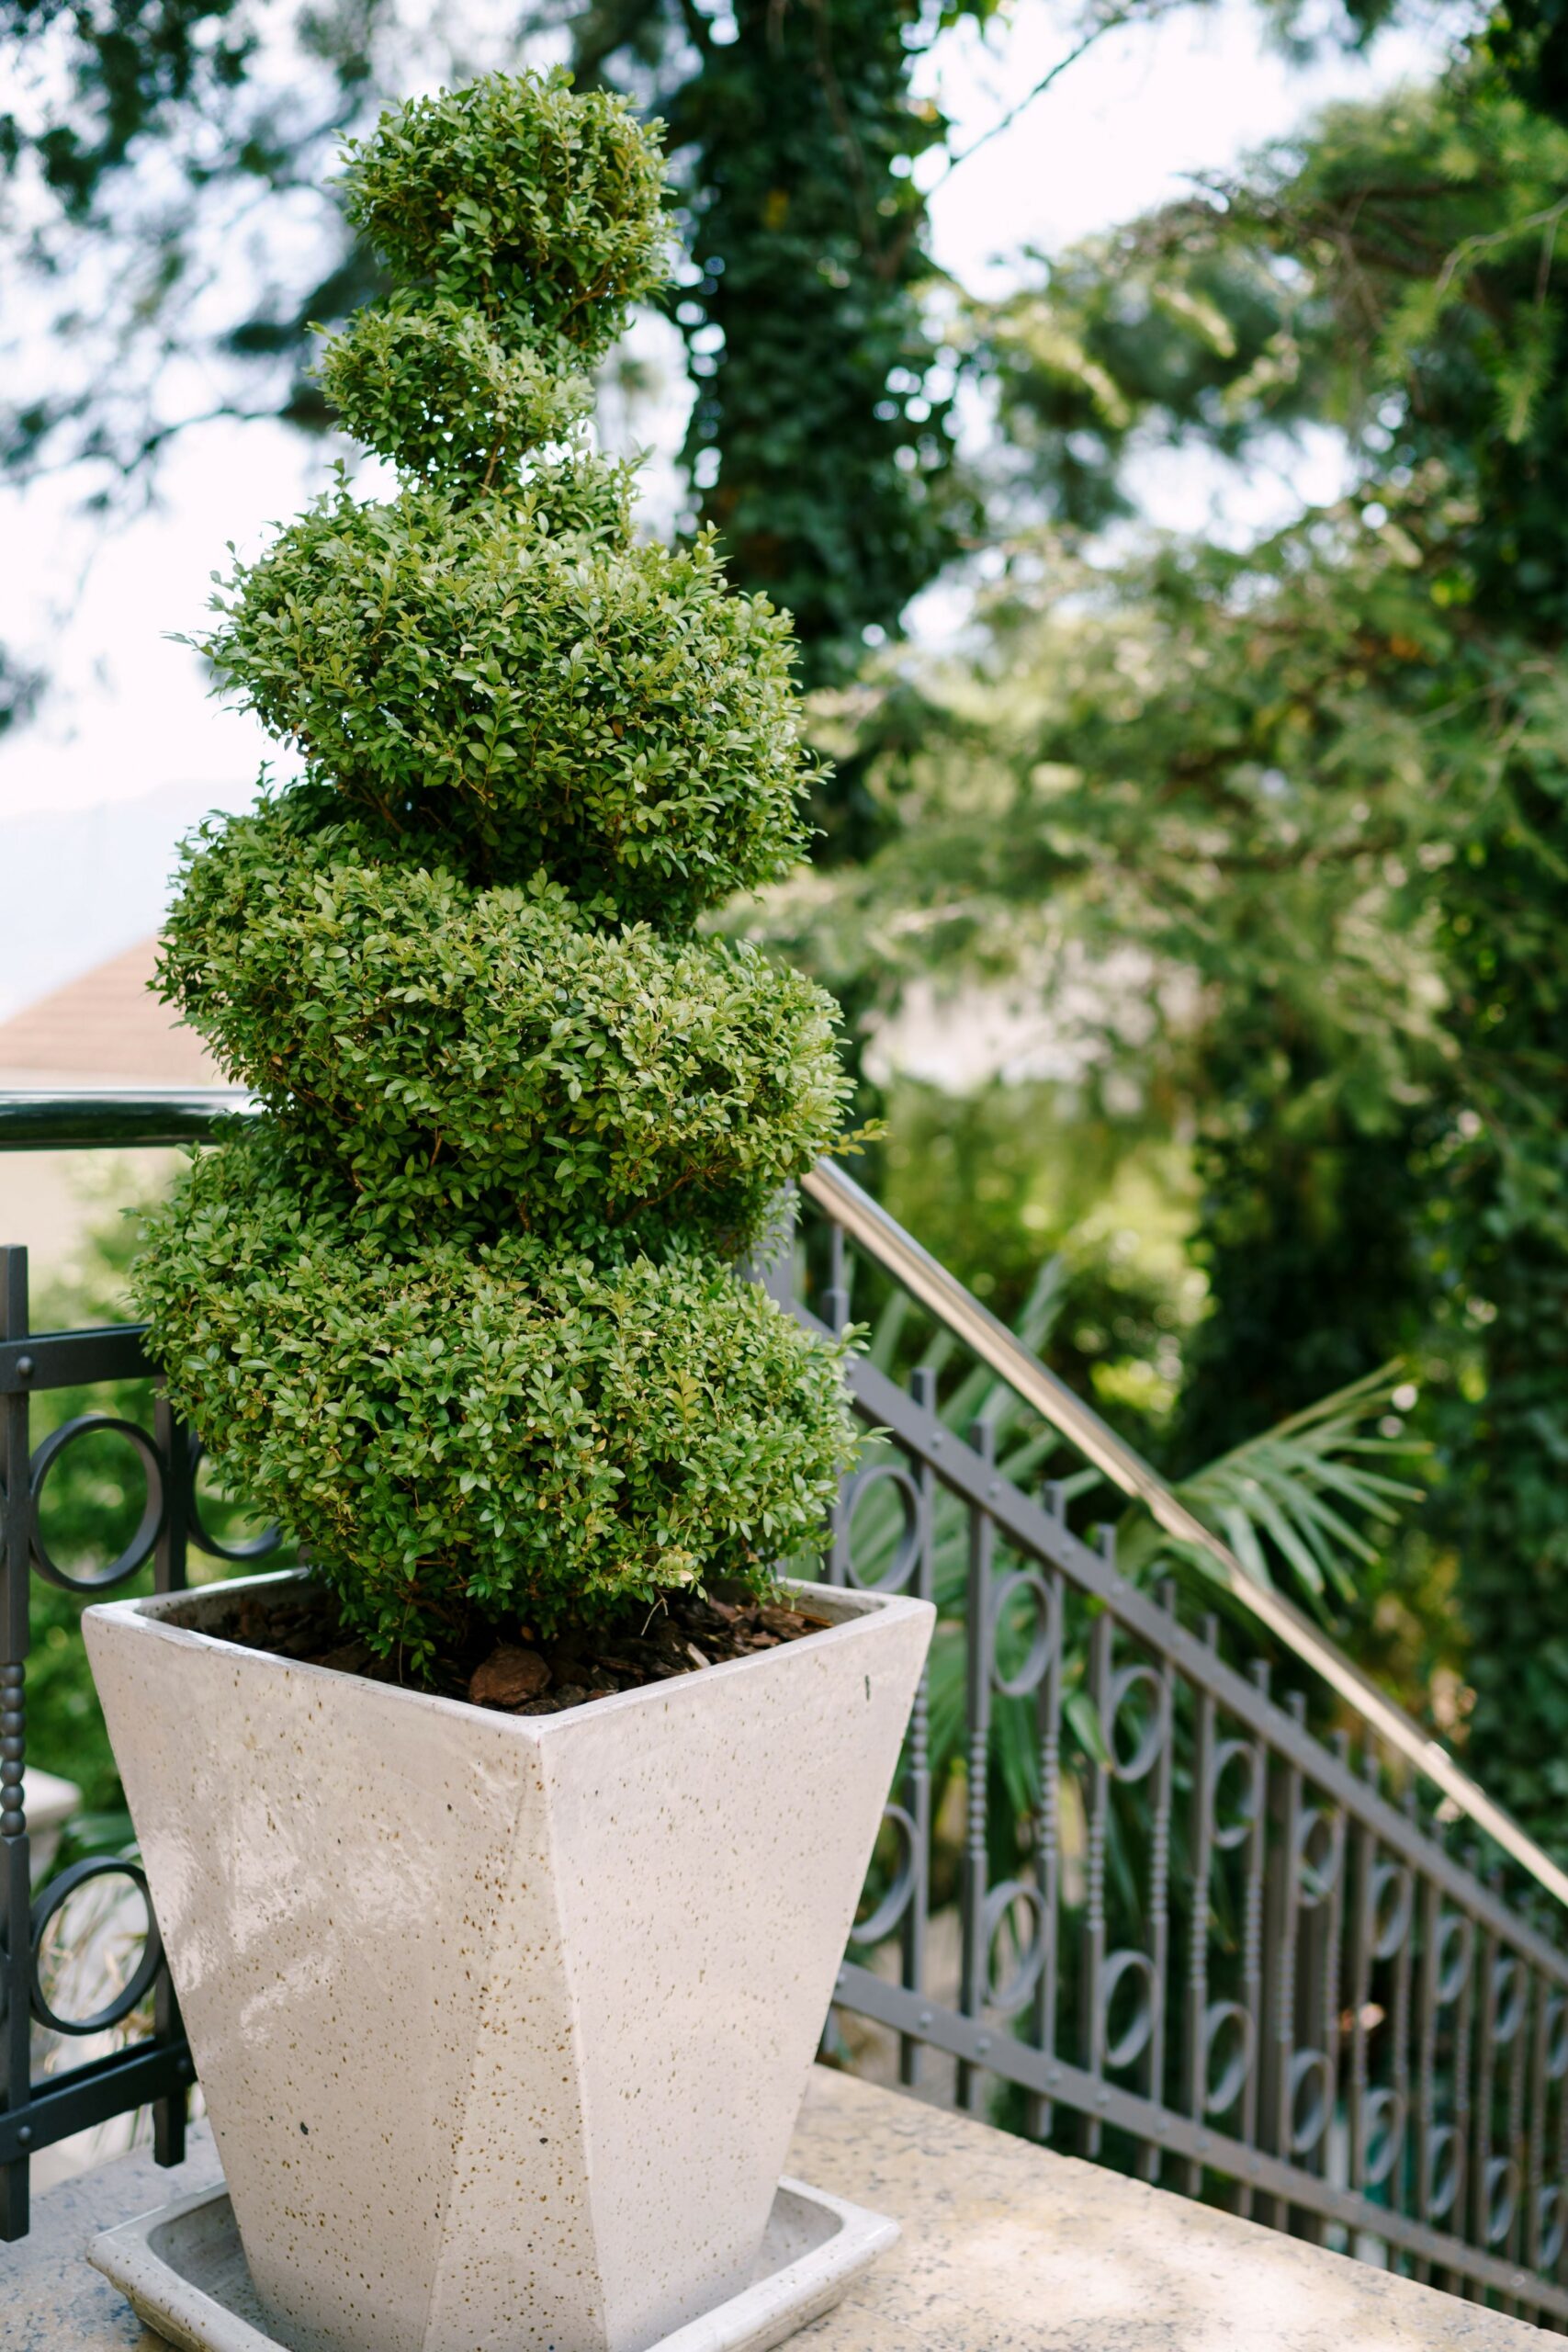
(503, 2022)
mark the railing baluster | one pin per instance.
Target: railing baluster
(1534, 2162)
(1194, 2054)
(1486, 2065)
(977, 1957)
(1400, 2028)
(922, 1389)
(1102, 1637)
(1363, 1931)
(1323, 2013)
(170, 1561)
(1517, 2017)
(1048, 1855)
(1558, 2270)
(1160, 1885)
(1464, 2021)
(16, 1894)
(1283, 1921)
(1252, 1944)
(836, 1309)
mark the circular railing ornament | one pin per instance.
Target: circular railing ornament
(1382, 2135)
(1451, 1973)
(1134, 2039)
(140, 1549)
(896, 1901)
(254, 1547)
(51, 1903)
(1219, 2016)
(1025, 1583)
(1248, 1802)
(1318, 1856)
(1311, 2071)
(1009, 1997)
(1442, 2172)
(1510, 1993)
(1391, 1890)
(907, 1552)
(1151, 1738)
(1500, 2196)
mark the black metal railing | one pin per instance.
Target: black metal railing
(1215, 1910)
(1167, 1883)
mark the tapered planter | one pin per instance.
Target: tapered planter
(503, 2022)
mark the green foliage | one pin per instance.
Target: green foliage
(462, 1312)
(1008, 1180)
(821, 438)
(502, 1428)
(427, 382)
(484, 1057)
(1426, 1209)
(822, 434)
(1286, 1494)
(508, 680)
(537, 206)
(89, 1511)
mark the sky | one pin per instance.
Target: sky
(130, 715)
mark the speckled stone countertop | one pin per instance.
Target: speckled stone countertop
(1006, 2248)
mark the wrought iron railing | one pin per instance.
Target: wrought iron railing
(1233, 1921)
(152, 2070)
(1167, 1883)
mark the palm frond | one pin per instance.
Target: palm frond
(1292, 1495)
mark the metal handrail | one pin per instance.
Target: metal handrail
(33, 1122)
(130, 1116)
(928, 1280)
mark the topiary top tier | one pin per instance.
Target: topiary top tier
(459, 1308)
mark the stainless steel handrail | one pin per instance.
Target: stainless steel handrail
(882, 1237)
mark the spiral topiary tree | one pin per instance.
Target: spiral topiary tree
(459, 1307)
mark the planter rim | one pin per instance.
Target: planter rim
(146, 1616)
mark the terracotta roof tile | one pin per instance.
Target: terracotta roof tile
(106, 1024)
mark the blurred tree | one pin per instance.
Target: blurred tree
(159, 170)
(165, 252)
(1325, 777)
(157, 165)
(820, 442)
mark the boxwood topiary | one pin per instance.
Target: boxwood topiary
(460, 1308)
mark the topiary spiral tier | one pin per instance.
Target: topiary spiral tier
(459, 1308)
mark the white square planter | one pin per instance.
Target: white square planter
(503, 2022)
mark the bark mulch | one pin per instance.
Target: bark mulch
(530, 1676)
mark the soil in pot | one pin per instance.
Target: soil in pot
(520, 1673)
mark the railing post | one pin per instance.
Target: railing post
(1040, 2112)
(922, 1392)
(174, 1442)
(836, 1307)
(16, 1894)
(976, 1955)
(1252, 1986)
(1092, 1980)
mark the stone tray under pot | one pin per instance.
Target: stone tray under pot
(503, 2022)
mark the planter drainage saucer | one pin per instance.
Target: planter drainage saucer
(183, 2272)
